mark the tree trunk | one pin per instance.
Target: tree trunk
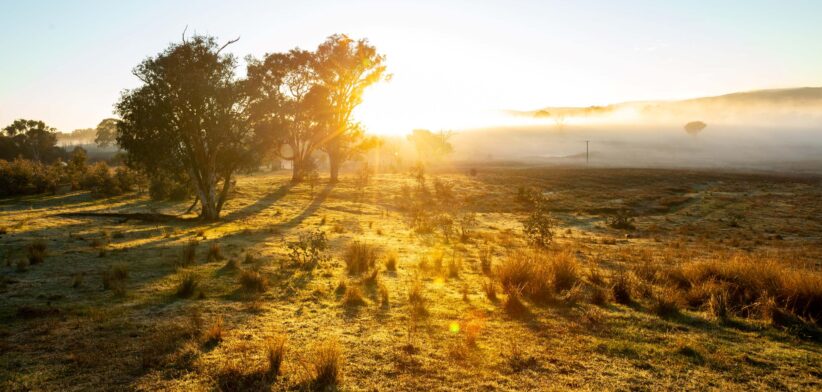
(334, 162)
(297, 172)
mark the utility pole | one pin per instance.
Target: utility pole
(586, 152)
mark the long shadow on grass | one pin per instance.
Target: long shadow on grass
(260, 204)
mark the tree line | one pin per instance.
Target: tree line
(195, 121)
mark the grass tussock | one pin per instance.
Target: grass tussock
(326, 366)
(275, 353)
(360, 257)
(538, 275)
(353, 296)
(214, 253)
(621, 289)
(417, 299)
(391, 262)
(189, 253)
(36, 252)
(115, 278)
(188, 286)
(214, 334)
(742, 282)
(253, 281)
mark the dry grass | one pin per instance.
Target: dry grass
(188, 286)
(325, 365)
(115, 279)
(743, 282)
(275, 353)
(214, 253)
(360, 257)
(36, 252)
(621, 289)
(539, 275)
(253, 281)
(353, 296)
(189, 254)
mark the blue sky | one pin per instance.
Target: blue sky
(65, 62)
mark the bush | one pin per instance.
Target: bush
(621, 219)
(539, 225)
(308, 249)
(164, 187)
(360, 257)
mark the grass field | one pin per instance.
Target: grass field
(120, 303)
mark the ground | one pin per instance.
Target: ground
(61, 330)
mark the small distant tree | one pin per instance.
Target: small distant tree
(187, 116)
(431, 146)
(539, 224)
(31, 139)
(693, 128)
(106, 133)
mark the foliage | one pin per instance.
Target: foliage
(289, 108)
(346, 68)
(539, 224)
(30, 139)
(621, 219)
(308, 249)
(187, 117)
(106, 133)
(431, 146)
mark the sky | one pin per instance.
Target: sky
(455, 64)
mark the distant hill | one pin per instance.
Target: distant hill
(756, 105)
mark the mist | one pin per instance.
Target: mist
(771, 130)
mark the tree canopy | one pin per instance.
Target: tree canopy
(106, 133)
(188, 116)
(29, 139)
(346, 68)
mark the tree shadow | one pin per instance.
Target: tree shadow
(260, 204)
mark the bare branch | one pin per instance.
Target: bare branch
(228, 43)
(184, 34)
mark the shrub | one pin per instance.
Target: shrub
(621, 219)
(360, 257)
(539, 225)
(188, 286)
(253, 281)
(326, 366)
(36, 252)
(308, 249)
